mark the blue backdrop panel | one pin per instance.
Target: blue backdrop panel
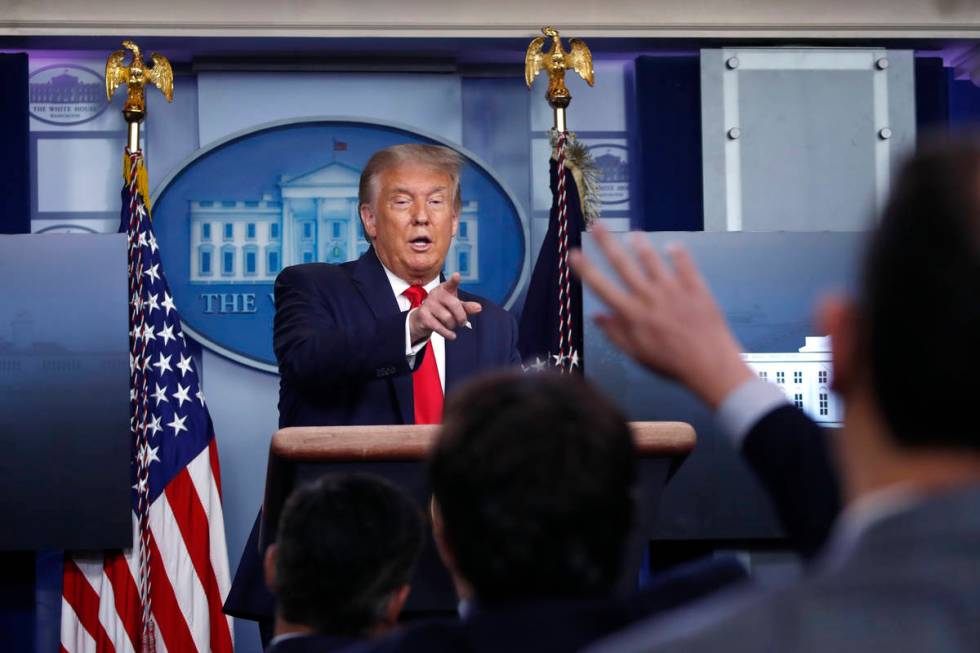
(668, 141)
(497, 127)
(15, 173)
(270, 180)
(64, 392)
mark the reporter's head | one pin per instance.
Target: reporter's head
(533, 480)
(905, 350)
(346, 550)
(916, 336)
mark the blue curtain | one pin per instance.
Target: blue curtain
(964, 103)
(16, 568)
(15, 177)
(931, 95)
(667, 142)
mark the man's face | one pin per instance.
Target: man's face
(412, 221)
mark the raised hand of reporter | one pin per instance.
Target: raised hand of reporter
(665, 318)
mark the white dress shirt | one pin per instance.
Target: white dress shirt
(398, 286)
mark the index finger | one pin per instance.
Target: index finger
(620, 260)
(687, 272)
(602, 285)
(452, 284)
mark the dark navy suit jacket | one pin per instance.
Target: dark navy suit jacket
(311, 644)
(340, 341)
(339, 338)
(559, 625)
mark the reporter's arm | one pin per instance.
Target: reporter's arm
(667, 320)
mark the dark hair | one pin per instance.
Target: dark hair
(920, 299)
(534, 477)
(346, 543)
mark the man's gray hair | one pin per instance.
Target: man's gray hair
(430, 156)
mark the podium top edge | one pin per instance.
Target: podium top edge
(412, 442)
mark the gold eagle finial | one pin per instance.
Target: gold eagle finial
(556, 61)
(135, 76)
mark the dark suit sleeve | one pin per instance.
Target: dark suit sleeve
(319, 344)
(789, 453)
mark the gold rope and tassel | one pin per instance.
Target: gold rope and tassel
(142, 178)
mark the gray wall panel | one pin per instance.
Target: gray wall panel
(802, 139)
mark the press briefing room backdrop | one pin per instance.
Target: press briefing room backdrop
(712, 119)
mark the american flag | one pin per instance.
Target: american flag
(166, 592)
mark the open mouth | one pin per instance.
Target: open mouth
(420, 243)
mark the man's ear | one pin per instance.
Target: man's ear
(455, 220)
(395, 605)
(369, 222)
(463, 588)
(837, 316)
(269, 566)
(439, 535)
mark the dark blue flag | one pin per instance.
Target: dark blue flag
(551, 324)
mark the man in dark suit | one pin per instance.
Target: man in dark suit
(341, 566)
(533, 481)
(348, 338)
(382, 339)
(901, 568)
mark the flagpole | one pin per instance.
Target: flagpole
(135, 76)
(560, 125)
(556, 61)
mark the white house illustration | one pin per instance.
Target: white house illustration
(805, 378)
(311, 217)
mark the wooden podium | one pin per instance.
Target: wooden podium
(397, 453)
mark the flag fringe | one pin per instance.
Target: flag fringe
(585, 171)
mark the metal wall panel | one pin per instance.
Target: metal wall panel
(802, 139)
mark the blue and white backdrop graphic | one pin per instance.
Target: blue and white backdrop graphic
(239, 211)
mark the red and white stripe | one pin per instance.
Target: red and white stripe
(188, 564)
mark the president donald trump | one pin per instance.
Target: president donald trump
(382, 339)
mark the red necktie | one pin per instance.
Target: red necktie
(425, 380)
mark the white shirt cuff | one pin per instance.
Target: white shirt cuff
(746, 405)
(411, 351)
